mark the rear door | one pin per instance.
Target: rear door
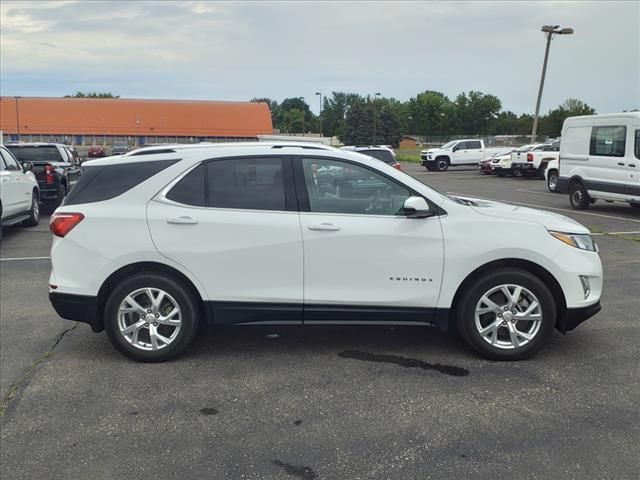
(633, 187)
(364, 261)
(475, 152)
(233, 223)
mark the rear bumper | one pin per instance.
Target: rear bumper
(80, 308)
(48, 192)
(575, 316)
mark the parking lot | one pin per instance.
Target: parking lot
(325, 402)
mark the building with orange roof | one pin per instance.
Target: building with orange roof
(101, 121)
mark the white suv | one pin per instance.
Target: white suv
(153, 245)
(19, 192)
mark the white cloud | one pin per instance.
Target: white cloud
(200, 49)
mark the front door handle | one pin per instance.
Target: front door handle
(621, 164)
(326, 227)
(184, 220)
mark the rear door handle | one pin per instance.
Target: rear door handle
(632, 165)
(327, 227)
(184, 220)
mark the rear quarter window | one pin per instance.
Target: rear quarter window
(103, 182)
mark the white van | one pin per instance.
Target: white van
(600, 159)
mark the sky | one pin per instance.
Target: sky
(239, 50)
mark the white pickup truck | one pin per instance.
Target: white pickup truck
(533, 161)
(456, 152)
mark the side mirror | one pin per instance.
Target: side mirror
(417, 207)
(27, 166)
(456, 148)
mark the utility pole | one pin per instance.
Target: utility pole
(303, 114)
(550, 31)
(320, 112)
(375, 96)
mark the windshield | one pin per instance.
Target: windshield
(450, 144)
(33, 153)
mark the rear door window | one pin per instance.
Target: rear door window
(475, 145)
(384, 155)
(608, 141)
(246, 183)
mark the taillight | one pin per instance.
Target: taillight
(62, 223)
(397, 166)
(529, 157)
(48, 172)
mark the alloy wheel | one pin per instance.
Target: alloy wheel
(508, 316)
(149, 319)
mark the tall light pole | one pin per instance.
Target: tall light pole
(303, 112)
(375, 96)
(549, 31)
(320, 112)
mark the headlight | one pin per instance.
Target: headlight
(581, 241)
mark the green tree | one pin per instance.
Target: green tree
(310, 120)
(79, 94)
(334, 113)
(430, 113)
(293, 121)
(475, 112)
(359, 123)
(551, 123)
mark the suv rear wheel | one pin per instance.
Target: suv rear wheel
(552, 180)
(150, 317)
(578, 196)
(508, 314)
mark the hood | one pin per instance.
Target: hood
(551, 221)
(429, 150)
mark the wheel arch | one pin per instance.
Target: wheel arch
(531, 267)
(145, 267)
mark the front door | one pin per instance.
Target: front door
(364, 261)
(234, 226)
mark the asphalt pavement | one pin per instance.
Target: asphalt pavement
(325, 402)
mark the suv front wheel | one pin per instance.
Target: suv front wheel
(508, 314)
(150, 317)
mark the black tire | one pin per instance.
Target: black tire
(34, 213)
(188, 305)
(442, 164)
(552, 180)
(578, 196)
(466, 314)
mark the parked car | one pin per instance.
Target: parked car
(488, 165)
(264, 247)
(54, 167)
(96, 151)
(19, 192)
(600, 159)
(551, 175)
(381, 152)
(534, 162)
(456, 152)
(119, 148)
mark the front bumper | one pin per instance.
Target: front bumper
(575, 316)
(80, 308)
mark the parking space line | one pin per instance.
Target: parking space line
(17, 259)
(544, 207)
(617, 233)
